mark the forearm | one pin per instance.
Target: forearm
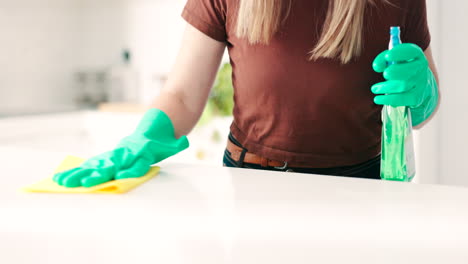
(183, 117)
(185, 93)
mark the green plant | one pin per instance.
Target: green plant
(220, 101)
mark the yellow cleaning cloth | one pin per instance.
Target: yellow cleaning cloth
(112, 187)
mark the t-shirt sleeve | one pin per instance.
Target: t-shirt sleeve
(416, 29)
(208, 16)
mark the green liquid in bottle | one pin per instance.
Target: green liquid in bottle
(397, 162)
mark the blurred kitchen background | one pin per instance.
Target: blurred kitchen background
(60, 58)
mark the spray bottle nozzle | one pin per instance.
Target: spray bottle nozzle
(395, 31)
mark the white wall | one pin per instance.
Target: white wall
(155, 32)
(155, 29)
(454, 111)
(427, 139)
(151, 29)
(38, 43)
(103, 32)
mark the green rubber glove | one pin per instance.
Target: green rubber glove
(152, 142)
(410, 81)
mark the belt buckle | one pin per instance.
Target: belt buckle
(285, 166)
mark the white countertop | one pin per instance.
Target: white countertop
(200, 214)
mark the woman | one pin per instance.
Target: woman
(306, 96)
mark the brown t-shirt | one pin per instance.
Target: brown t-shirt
(320, 113)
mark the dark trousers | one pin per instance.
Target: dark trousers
(368, 170)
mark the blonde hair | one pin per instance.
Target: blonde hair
(341, 37)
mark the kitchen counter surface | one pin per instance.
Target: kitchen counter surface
(203, 214)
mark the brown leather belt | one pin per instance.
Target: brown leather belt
(236, 153)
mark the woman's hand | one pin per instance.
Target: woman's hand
(409, 81)
(152, 141)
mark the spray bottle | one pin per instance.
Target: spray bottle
(398, 162)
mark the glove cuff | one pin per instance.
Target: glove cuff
(424, 111)
(157, 133)
(155, 123)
